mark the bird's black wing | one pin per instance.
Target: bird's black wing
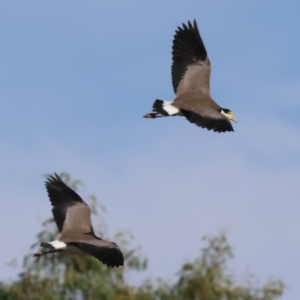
(221, 124)
(61, 197)
(191, 66)
(110, 255)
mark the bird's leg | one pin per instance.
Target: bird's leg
(37, 254)
(152, 115)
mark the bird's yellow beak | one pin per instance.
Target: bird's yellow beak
(232, 118)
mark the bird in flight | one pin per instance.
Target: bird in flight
(191, 82)
(73, 219)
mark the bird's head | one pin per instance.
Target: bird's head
(228, 114)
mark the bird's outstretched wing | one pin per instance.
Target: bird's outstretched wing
(107, 252)
(191, 65)
(69, 210)
(217, 124)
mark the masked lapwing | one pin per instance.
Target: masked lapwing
(73, 219)
(190, 77)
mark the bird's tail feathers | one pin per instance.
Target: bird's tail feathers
(46, 245)
(162, 108)
(53, 245)
(165, 108)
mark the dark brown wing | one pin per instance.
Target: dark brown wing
(69, 210)
(218, 124)
(191, 66)
(106, 252)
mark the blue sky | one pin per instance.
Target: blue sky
(77, 77)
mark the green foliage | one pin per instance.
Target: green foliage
(208, 277)
(60, 277)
